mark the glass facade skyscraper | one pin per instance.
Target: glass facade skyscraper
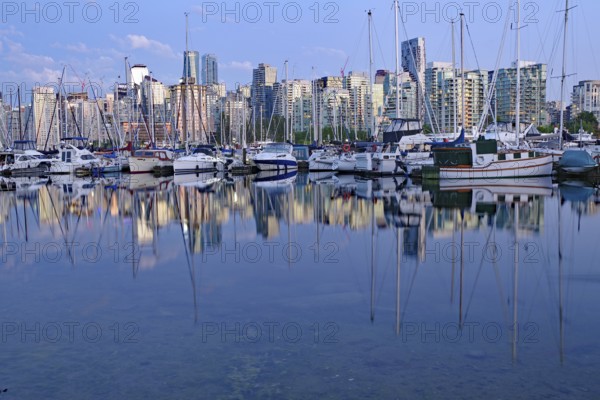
(191, 66)
(210, 71)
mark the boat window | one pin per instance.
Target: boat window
(203, 150)
(87, 157)
(277, 148)
(414, 125)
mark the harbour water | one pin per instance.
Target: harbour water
(298, 287)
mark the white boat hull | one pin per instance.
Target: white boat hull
(192, 164)
(325, 164)
(275, 163)
(345, 163)
(61, 167)
(526, 167)
(378, 164)
(141, 164)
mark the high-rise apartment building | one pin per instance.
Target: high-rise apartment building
(533, 93)
(586, 97)
(210, 70)
(414, 62)
(45, 118)
(443, 85)
(263, 80)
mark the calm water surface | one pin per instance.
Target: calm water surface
(298, 287)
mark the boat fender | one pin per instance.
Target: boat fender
(374, 147)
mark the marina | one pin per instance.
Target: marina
(397, 202)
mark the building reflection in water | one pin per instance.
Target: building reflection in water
(139, 207)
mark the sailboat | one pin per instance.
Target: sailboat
(482, 159)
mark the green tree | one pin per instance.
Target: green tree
(585, 119)
(546, 128)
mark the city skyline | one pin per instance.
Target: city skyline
(318, 39)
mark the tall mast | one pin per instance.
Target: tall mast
(518, 100)
(314, 108)
(153, 135)
(462, 69)
(285, 103)
(454, 83)
(186, 64)
(370, 104)
(128, 100)
(19, 105)
(562, 78)
(397, 62)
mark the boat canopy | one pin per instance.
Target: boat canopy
(400, 127)
(576, 158)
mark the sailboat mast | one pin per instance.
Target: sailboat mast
(518, 100)
(285, 102)
(462, 69)
(454, 84)
(372, 121)
(19, 105)
(397, 60)
(562, 77)
(186, 64)
(314, 108)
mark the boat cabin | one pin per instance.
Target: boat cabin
(162, 155)
(278, 148)
(400, 127)
(23, 145)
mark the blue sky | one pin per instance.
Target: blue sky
(317, 37)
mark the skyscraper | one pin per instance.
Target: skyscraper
(533, 93)
(443, 84)
(586, 97)
(191, 66)
(210, 69)
(413, 62)
(263, 79)
(44, 116)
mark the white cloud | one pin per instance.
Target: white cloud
(42, 76)
(238, 65)
(154, 46)
(17, 54)
(10, 31)
(77, 48)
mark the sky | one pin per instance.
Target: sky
(91, 39)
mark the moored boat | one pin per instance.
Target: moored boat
(151, 160)
(482, 160)
(576, 162)
(276, 156)
(202, 159)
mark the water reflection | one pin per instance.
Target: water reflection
(410, 269)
